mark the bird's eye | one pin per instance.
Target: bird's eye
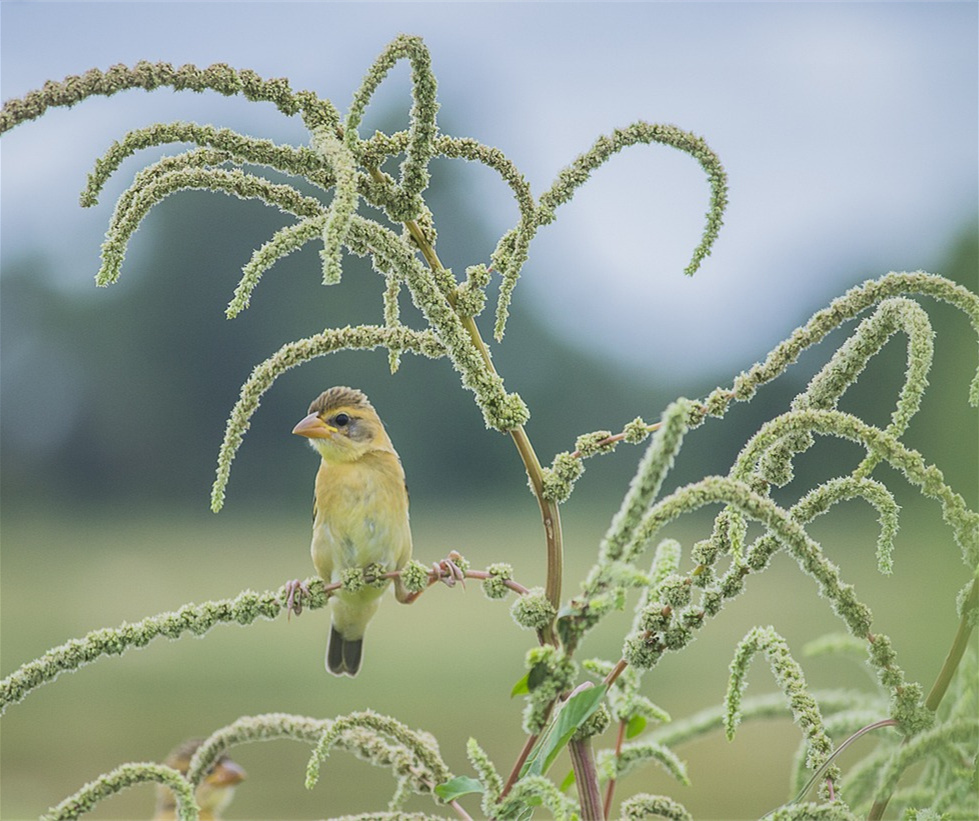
(341, 419)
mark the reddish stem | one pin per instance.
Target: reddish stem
(482, 575)
(515, 772)
(610, 790)
(616, 437)
(586, 778)
(615, 673)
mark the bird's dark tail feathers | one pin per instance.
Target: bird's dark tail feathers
(343, 655)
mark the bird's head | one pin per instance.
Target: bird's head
(342, 426)
(215, 791)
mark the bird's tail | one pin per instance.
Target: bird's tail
(343, 655)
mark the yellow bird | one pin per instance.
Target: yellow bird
(360, 513)
(213, 793)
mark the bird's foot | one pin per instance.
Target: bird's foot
(447, 571)
(296, 591)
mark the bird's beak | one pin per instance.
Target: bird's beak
(312, 427)
(226, 774)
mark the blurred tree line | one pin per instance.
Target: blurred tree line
(120, 396)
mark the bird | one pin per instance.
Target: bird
(360, 514)
(213, 794)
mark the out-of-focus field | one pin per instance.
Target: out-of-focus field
(445, 664)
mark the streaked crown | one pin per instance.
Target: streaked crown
(339, 397)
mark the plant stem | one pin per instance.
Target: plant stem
(465, 816)
(887, 722)
(515, 772)
(610, 790)
(551, 517)
(616, 671)
(586, 779)
(938, 689)
(550, 514)
(955, 653)
(618, 437)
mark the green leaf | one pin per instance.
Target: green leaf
(537, 676)
(565, 630)
(520, 688)
(568, 782)
(457, 787)
(572, 714)
(635, 726)
(568, 611)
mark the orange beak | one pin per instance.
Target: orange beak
(312, 427)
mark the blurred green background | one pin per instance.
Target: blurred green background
(113, 406)
(104, 519)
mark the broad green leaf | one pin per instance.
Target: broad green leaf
(572, 714)
(456, 787)
(635, 726)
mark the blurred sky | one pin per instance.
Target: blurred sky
(848, 130)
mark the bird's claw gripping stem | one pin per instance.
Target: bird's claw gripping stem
(447, 571)
(296, 591)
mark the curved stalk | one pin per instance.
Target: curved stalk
(550, 515)
(955, 653)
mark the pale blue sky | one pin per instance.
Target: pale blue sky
(848, 130)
